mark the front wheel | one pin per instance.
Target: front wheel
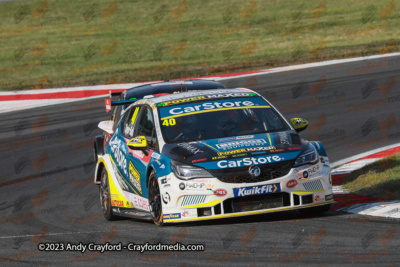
(105, 197)
(155, 200)
(315, 210)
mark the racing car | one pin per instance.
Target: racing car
(209, 154)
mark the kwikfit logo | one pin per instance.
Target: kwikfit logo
(257, 190)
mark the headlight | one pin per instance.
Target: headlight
(187, 172)
(308, 156)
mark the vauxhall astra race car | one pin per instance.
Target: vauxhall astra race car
(208, 154)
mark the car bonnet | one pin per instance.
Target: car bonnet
(258, 149)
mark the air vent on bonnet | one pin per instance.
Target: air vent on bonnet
(296, 140)
(184, 153)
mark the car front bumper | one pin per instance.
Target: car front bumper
(209, 198)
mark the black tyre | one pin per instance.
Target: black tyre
(105, 197)
(315, 210)
(155, 200)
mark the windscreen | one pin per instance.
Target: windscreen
(218, 119)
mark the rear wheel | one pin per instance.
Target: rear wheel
(105, 197)
(155, 200)
(315, 210)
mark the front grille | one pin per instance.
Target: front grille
(256, 202)
(241, 174)
(313, 185)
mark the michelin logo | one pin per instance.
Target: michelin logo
(244, 143)
(248, 161)
(257, 190)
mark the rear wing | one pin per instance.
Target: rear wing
(110, 103)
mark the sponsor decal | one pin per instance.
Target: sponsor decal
(199, 160)
(134, 177)
(260, 148)
(185, 213)
(283, 138)
(257, 190)
(237, 103)
(121, 181)
(291, 183)
(192, 149)
(243, 143)
(239, 155)
(248, 161)
(244, 137)
(219, 157)
(258, 153)
(223, 140)
(140, 202)
(220, 192)
(108, 104)
(166, 198)
(206, 181)
(138, 153)
(116, 148)
(317, 198)
(160, 165)
(195, 186)
(210, 106)
(156, 156)
(306, 171)
(205, 97)
(231, 152)
(277, 150)
(328, 197)
(164, 180)
(117, 203)
(294, 148)
(171, 216)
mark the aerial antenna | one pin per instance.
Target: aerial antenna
(165, 78)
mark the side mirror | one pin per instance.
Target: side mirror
(107, 126)
(299, 124)
(138, 142)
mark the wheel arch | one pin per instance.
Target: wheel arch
(100, 167)
(149, 170)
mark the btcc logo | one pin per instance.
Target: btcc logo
(248, 161)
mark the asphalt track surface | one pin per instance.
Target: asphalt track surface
(47, 194)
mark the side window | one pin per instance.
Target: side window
(128, 124)
(146, 126)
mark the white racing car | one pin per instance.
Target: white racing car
(208, 154)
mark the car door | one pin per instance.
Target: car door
(139, 123)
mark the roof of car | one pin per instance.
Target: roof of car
(170, 87)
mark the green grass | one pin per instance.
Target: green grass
(70, 43)
(380, 179)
